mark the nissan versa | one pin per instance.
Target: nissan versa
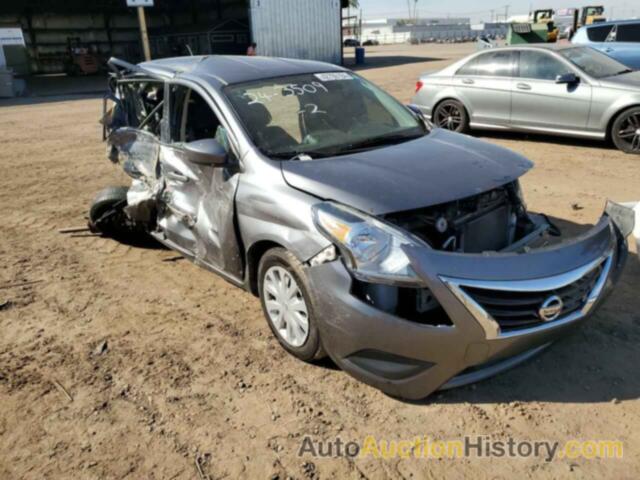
(403, 252)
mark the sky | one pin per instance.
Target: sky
(481, 11)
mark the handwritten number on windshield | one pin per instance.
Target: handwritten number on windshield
(258, 97)
(301, 89)
(314, 109)
(295, 89)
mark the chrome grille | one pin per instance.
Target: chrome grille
(517, 309)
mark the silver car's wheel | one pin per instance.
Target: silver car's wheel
(451, 115)
(286, 306)
(626, 131)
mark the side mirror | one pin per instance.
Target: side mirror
(569, 78)
(206, 152)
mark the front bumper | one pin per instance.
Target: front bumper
(412, 360)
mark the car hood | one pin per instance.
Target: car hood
(437, 168)
(627, 81)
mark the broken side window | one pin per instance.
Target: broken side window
(143, 102)
(193, 119)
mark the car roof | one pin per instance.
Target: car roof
(222, 70)
(612, 22)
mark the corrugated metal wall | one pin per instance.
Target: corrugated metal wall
(307, 29)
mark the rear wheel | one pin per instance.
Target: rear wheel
(452, 115)
(286, 303)
(625, 131)
(107, 214)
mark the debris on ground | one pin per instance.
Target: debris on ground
(102, 347)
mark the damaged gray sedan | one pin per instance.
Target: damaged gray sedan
(403, 252)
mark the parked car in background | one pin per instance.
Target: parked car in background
(483, 43)
(619, 39)
(371, 43)
(564, 90)
(405, 253)
(351, 42)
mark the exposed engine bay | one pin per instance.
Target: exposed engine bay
(493, 221)
(496, 220)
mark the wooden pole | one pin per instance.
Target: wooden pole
(143, 33)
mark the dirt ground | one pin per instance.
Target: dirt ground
(117, 363)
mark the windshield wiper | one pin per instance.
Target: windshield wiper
(297, 154)
(380, 141)
(342, 149)
(622, 72)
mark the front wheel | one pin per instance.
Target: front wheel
(452, 115)
(286, 303)
(625, 131)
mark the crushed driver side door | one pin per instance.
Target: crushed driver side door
(197, 214)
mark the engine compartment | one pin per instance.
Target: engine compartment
(490, 221)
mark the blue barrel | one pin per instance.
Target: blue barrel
(359, 55)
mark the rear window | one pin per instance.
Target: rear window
(628, 33)
(599, 34)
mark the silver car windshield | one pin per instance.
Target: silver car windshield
(593, 63)
(320, 114)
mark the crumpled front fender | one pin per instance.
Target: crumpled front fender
(411, 360)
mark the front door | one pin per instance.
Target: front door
(197, 201)
(538, 102)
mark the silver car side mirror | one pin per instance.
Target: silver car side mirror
(206, 152)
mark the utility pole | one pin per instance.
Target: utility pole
(142, 20)
(506, 12)
(143, 33)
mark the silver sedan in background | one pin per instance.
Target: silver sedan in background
(562, 90)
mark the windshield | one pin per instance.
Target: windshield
(320, 114)
(593, 63)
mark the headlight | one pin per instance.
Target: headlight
(372, 248)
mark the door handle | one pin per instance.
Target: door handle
(178, 177)
(523, 86)
(468, 81)
(608, 49)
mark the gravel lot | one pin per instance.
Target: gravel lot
(116, 363)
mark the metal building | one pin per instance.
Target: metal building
(54, 29)
(307, 29)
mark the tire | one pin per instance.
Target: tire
(451, 115)
(107, 215)
(625, 131)
(279, 262)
